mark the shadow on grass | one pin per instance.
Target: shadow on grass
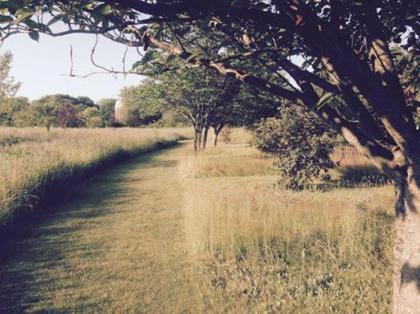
(354, 177)
(34, 255)
(410, 274)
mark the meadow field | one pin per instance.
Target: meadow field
(33, 162)
(175, 232)
(263, 249)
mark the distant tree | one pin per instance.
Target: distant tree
(201, 96)
(8, 85)
(141, 104)
(84, 101)
(172, 119)
(67, 115)
(56, 110)
(42, 112)
(10, 109)
(107, 111)
(92, 118)
(225, 110)
(8, 89)
(129, 116)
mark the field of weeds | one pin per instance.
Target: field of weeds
(263, 249)
(221, 234)
(34, 162)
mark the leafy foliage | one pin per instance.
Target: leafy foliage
(141, 104)
(408, 65)
(301, 144)
(56, 111)
(8, 86)
(107, 111)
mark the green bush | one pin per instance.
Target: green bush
(301, 143)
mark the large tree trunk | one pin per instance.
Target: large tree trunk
(217, 130)
(407, 244)
(216, 137)
(205, 136)
(197, 136)
(408, 191)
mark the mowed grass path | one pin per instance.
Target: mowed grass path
(115, 245)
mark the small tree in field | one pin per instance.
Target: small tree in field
(92, 118)
(107, 111)
(141, 104)
(301, 143)
(8, 89)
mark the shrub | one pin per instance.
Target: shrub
(301, 143)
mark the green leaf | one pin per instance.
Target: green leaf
(22, 11)
(149, 56)
(31, 24)
(5, 19)
(55, 19)
(103, 10)
(324, 99)
(22, 15)
(137, 64)
(170, 58)
(34, 35)
(88, 5)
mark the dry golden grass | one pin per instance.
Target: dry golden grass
(126, 243)
(266, 249)
(348, 156)
(223, 213)
(237, 135)
(227, 160)
(115, 245)
(34, 160)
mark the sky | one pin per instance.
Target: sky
(43, 67)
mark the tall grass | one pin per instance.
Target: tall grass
(34, 162)
(270, 250)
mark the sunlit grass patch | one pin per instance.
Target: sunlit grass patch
(226, 161)
(264, 249)
(34, 161)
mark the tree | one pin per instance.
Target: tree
(301, 143)
(142, 103)
(92, 118)
(82, 101)
(408, 67)
(8, 86)
(8, 89)
(56, 110)
(67, 115)
(10, 109)
(41, 112)
(107, 111)
(200, 95)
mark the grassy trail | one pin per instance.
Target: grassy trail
(115, 246)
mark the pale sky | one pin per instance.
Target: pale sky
(43, 67)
